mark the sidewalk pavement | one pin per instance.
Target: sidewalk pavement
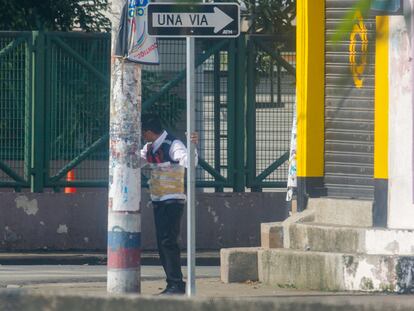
(86, 279)
(83, 287)
(205, 287)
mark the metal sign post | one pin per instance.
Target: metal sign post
(192, 20)
(191, 167)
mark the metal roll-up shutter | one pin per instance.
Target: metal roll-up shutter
(349, 104)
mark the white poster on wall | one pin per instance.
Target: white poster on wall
(292, 172)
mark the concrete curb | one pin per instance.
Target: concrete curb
(52, 259)
(26, 301)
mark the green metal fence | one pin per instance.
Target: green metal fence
(54, 101)
(15, 104)
(76, 100)
(271, 97)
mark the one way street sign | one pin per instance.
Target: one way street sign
(193, 20)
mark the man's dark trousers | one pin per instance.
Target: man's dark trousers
(167, 216)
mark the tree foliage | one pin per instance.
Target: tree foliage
(271, 16)
(267, 16)
(170, 107)
(54, 15)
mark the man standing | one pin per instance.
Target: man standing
(167, 157)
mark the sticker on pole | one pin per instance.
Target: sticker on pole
(132, 39)
(193, 20)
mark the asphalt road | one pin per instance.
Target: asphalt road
(25, 275)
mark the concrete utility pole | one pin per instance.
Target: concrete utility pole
(124, 216)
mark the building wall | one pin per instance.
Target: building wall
(401, 201)
(394, 113)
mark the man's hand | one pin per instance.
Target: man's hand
(193, 137)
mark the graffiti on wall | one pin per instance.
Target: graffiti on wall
(358, 50)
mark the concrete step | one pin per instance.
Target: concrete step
(344, 239)
(276, 234)
(342, 212)
(271, 235)
(322, 211)
(335, 271)
(326, 238)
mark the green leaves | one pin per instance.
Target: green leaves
(52, 15)
(271, 16)
(345, 27)
(171, 107)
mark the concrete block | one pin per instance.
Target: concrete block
(336, 271)
(342, 212)
(271, 235)
(238, 264)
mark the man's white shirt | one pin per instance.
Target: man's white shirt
(178, 151)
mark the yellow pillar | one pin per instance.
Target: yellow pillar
(310, 86)
(381, 122)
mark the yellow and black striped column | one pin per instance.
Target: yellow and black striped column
(380, 209)
(310, 84)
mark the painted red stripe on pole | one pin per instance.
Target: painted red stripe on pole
(124, 258)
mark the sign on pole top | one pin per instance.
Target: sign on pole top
(387, 7)
(193, 19)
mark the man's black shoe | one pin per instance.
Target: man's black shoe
(173, 290)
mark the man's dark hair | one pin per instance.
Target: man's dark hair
(151, 122)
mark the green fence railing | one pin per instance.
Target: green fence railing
(54, 102)
(15, 108)
(271, 100)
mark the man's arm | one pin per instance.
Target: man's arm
(144, 155)
(178, 152)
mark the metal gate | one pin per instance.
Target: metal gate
(15, 113)
(349, 104)
(54, 101)
(54, 94)
(245, 97)
(76, 96)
